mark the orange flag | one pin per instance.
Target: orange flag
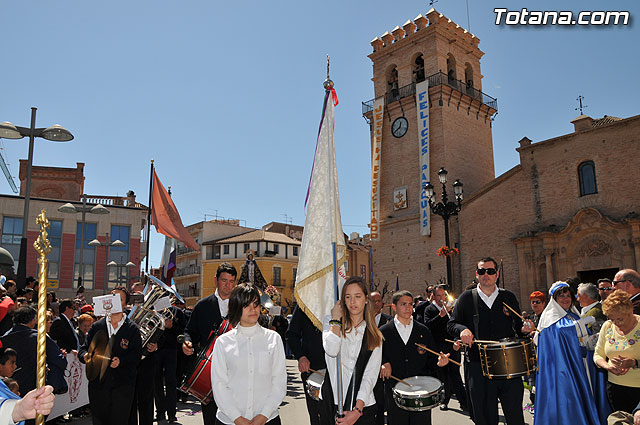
(165, 216)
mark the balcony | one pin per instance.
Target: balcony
(186, 271)
(435, 80)
(184, 250)
(121, 201)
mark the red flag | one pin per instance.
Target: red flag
(165, 216)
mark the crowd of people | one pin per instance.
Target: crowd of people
(586, 336)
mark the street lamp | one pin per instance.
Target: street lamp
(119, 268)
(54, 133)
(107, 244)
(445, 209)
(69, 208)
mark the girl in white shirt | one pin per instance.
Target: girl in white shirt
(351, 323)
(248, 369)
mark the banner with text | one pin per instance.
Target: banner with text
(422, 107)
(78, 394)
(376, 150)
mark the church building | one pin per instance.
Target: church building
(567, 210)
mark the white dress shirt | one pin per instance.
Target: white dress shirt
(584, 310)
(440, 308)
(223, 305)
(377, 318)
(248, 373)
(488, 299)
(110, 329)
(403, 330)
(348, 349)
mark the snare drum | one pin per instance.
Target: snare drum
(198, 380)
(424, 393)
(313, 384)
(508, 359)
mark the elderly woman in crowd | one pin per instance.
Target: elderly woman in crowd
(568, 388)
(618, 351)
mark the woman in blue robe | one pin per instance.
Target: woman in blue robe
(569, 388)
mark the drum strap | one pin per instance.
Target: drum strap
(476, 313)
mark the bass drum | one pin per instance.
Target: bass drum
(198, 379)
(424, 393)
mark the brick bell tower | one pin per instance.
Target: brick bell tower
(429, 51)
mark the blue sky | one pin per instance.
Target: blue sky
(226, 96)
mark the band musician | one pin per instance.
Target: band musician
(205, 320)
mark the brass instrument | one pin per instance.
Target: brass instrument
(151, 322)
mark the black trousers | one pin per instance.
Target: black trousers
(397, 416)
(142, 403)
(165, 382)
(209, 412)
(110, 404)
(313, 406)
(450, 376)
(485, 394)
(274, 421)
(378, 393)
(622, 397)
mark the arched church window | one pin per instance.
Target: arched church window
(587, 177)
(418, 69)
(392, 84)
(468, 79)
(451, 70)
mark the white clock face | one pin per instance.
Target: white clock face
(399, 127)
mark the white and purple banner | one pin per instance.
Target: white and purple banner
(422, 108)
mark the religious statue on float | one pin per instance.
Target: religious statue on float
(251, 273)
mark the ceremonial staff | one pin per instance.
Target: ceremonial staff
(43, 247)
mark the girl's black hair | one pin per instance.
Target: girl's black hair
(241, 296)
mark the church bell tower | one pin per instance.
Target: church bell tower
(428, 112)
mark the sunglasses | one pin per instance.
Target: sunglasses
(536, 302)
(490, 271)
(615, 282)
(605, 289)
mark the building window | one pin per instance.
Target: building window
(247, 247)
(393, 90)
(276, 248)
(295, 251)
(216, 252)
(277, 272)
(11, 236)
(587, 177)
(88, 255)
(225, 249)
(295, 274)
(451, 70)
(55, 238)
(418, 69)
(119, 273)
(363, 272)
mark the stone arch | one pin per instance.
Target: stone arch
(451, 69)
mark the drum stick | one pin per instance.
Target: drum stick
(514, 312)
(436, 353)
(458, 341)
(315, 371)
(486, 341)
(402, 380)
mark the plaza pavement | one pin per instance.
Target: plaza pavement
(293, 410)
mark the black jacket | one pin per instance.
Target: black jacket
(63, 334)
(169, 337)
(384, 319)
(436, 324)
(25, 341)
(305, 339)
(408, 360)
(206, 318)
(494, 324)
(126, 345)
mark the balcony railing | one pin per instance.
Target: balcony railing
(186, 271)
(437, 79)
(184, 250)
(122, 201)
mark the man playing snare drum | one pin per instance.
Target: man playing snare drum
(402, 358)
(481, 314)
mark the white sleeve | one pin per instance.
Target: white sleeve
(222, 392)
(330, 341)
(6, 412)
(370, 376)
(278, 380)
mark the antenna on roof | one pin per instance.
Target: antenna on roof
(581, 106)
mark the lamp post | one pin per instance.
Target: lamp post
(445, 208)
(119, 268)
(106, 244)
(54, 133)
(69, 208)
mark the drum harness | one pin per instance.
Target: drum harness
(476, 320)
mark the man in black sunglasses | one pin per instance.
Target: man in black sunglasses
(605, 287)
(480, 313)
(629, 281)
